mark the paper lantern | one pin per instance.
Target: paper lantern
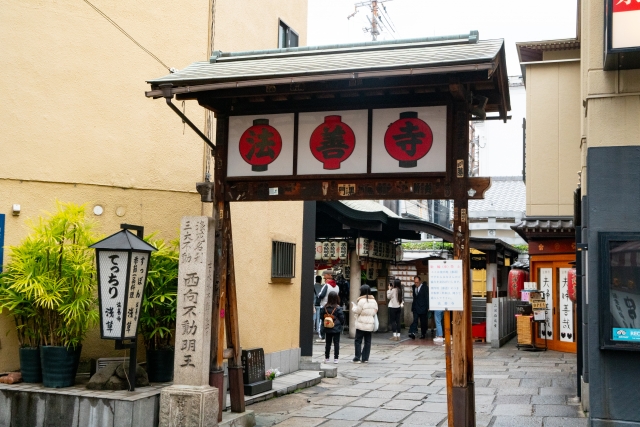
(572, 281)
(332, 142)
(408, 139)
(517, 278)
(260, 145)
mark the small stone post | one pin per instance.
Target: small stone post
(190, 401)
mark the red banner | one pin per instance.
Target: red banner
(625, 5)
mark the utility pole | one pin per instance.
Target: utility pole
(380, 19)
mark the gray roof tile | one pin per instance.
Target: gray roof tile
(507, 197)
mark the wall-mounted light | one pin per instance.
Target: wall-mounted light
(471, 192)
(16, 209)
(98, 210)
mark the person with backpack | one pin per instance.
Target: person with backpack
(329, 287)
(317, 288)
(332, 325)
(366, 310)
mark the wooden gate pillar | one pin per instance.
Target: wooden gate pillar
(463, 392)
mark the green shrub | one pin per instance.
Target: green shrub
(49, 284)
(159, 306)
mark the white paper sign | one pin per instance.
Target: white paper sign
(530, 285)
(546, 286)
(445, 285)
(566, 308)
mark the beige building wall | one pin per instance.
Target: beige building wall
(553, 135)
(77, 127)
(611, 113)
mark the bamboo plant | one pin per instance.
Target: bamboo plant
(159, 306)
(49, 284)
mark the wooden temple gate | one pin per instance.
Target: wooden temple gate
(440, 82)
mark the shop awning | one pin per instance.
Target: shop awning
(540, 228)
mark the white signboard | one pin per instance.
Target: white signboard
(566, 308)
(546, 286)
(138, 275)
(112, 297)
(332, 142)
(260, 145)
(625, 23)
(445, 285)
(409, 140)
(530, 286)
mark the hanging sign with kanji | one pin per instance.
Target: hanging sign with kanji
(332, 142)
(409, 140)
(260, 145)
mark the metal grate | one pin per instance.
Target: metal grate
(283, 259)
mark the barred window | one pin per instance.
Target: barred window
(283, 259)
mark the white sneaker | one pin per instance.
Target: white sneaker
(438, 339)
(327, 361)
(335, 361)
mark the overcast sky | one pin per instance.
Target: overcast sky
(512, 20)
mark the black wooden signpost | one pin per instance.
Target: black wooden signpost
(366, 121)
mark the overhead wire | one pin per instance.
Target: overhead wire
(119, 28)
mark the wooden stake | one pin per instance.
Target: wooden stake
(447, 352)
(236, 384)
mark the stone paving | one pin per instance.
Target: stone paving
(403, 385)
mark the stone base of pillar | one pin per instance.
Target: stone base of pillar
(189, 406)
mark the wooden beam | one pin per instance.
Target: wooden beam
(349, 188)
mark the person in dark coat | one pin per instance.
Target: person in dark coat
(419, 308)
(332, 309)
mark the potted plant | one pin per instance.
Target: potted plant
(27, 317)
(159, 307)
(54, 269)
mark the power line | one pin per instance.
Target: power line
(112, 22)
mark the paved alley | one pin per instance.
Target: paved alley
(404, 385)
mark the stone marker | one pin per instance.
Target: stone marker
(190, 401)
(253, 371)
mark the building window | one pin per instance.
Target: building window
(286, 36)
(283, 259)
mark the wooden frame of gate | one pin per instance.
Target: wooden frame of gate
(461, 88)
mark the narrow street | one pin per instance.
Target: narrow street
(404, 385)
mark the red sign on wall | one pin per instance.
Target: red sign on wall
(260, 145)
(332, 142)
(408, 139)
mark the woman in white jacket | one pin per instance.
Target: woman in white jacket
(365, 309)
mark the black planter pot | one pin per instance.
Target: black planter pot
(160, 365)
(59, 365)
(30, 365)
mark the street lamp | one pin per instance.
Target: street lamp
(123, 264)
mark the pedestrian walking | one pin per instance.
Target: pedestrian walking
(394, 296)
(439, 318)
(317, 288)
(330, 286)
(332, 325)
(366, 308)
(419, 308)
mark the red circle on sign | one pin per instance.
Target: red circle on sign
(408, 139)
(332, 142)
(260, 145)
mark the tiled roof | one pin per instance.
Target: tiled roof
(544, 227)
(506, 198)
(401, 57)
